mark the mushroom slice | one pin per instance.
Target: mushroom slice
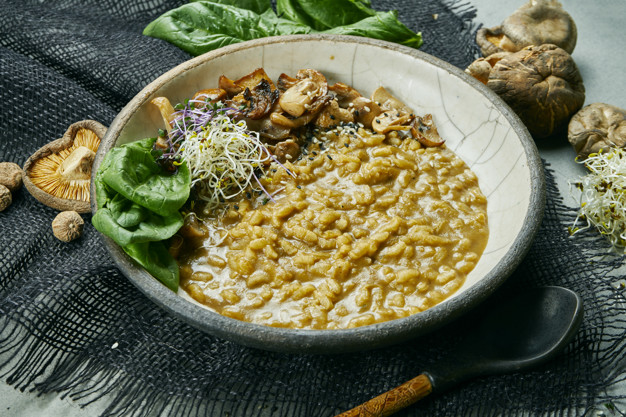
(166, 109)
(394, 114)
(344, 94)
(333, 115)
(386, 101)
(424, 130)
(537, 22)
(542, 85)
(268, 129)
(210, 95)
(250, 80)
(306, 95)
(597, 127)
(390, 120)
(287, 150)
(365, 110)
(257, 101)
(291, 122)
(59, 173)
(254, 78)
(228, 85)
(285, 82)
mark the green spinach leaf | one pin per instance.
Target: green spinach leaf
(203, 26)
(156, 259)
(112, 222)
(324, 14)
(139, 221)
(257, 6)
(133, 172)
(384, 26)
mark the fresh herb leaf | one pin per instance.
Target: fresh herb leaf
(383, 26)
(203, 26)
(134, 173)
(324, 14)
(138, 206)
(156, 259)
(257, 6)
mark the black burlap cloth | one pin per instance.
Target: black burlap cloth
(72, 324)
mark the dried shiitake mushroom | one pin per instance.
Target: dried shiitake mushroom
(59, 173)
(597, 127)
(5, 197)
(536, 23)
(542, 85)
(10, 175)
(481, 68)
(67, 226)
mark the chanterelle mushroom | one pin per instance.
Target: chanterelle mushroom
(59, 173)
(542, 85)
(67, 226)
(597, 127)
(536, 23)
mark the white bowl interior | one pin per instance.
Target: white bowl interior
(470, 122)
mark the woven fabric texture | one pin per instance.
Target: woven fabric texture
(71, 323)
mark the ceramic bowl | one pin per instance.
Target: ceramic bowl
(475, 123)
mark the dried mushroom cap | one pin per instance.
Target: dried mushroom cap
(597, 127)
(542, 85)
(67, 226)
(10, 175)
(481, 68)
(536, 23)
(5, 197)
(59, 173)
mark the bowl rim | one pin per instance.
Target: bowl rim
(345, 340)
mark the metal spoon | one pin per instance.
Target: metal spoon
(518, 333)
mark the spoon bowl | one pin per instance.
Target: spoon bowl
(518, 333)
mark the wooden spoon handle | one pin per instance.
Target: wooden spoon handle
(393, 400)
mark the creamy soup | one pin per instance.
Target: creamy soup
(362, 228)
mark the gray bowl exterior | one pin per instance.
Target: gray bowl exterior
(334, 341)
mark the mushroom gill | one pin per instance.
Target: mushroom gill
(67, 173)
(59, 173)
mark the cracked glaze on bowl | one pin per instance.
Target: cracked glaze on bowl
(476, 124)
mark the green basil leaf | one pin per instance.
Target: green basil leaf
(156, 259)
(324, 14)
(133, 172)
(257, 6)
(383, 26)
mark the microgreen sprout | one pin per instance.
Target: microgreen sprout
(603, 196)
(224, 157)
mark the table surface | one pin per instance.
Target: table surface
(601, 60)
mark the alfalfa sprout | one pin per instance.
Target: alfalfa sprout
(603, 197)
